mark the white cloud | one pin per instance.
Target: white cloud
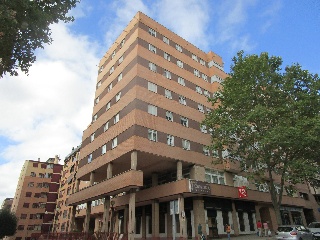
(189, 19)
(45, 113)
(270, 15)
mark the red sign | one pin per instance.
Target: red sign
(242, 191)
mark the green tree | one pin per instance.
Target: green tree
(8, 223)
(267, 119)
(24, 27)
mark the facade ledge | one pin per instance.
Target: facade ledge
(109, 187)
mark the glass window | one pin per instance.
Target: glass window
(204, 77)
(114, 143)
(178, 47)
(200, 108)
(169, 116)
(152, 87)
(109, 87)
(180, 64)
(116, 118)
(152, 110)
(92, 137)
(196, 72)
(118, 96)
(120, 77)
(181, 81)
(120, 59)
(184, 121)
(167, 93)
(95, 117)
(104, 149)
(152, 135)
(90, 158)
(198, 90)
(213, 176)
(170, 140)
(182, 100)
(206, 93)
(152, 67)
(152, 32)
(195, 57)
(206, 151)
(108, 106)
(166, 56)
(152, 48)
(165, 40)
(167, 74)
(111, 70)
(185, 144)
(106, 126)
(113, 54)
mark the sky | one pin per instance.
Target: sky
(44, 114)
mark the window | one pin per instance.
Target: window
(116, 118)
(109, 87)
(216, 78)
(104, 149)
(262, 187)
(120, 59)
(196, 72)
(152, 110)
(96, 100)
(181, 81)
(92, 137)
(166, 56)
(152, 32)
(152, 87)
(185, 144)
(111, 70)
(165, 40)
(113, 54)
(95, 117)
(114, 143)
(152, 48)
(202, 62)
(180, 64)
(239, 181)
(106, 126)
(170, 140)
(21, 227)
(167, 74)
(206, 151)
(203, 128)
(200, 108)
(23, 216)
(204, 77)
(99, 84)
(213, 176)
(108, 106)
(122, 42)
(184, 121)
(182, 100)
(152, 67)
(178, 47)
(167, 93)
(152, 135)
(90, 158)
(33, 174)
(30, 184)
(119, 77)
(28, 194)
(169, 116)
(195, 57)
(26, 205)
(198, 90)
(206, 93)
(118, 96)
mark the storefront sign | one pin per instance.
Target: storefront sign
(199, 187)
(242, 191)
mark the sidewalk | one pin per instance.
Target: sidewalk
(247, 237)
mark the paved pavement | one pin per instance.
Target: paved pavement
(247, 237)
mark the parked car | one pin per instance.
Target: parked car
(293, 232)
(314, 227)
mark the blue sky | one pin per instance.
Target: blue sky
(44, 114)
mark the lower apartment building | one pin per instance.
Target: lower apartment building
(143, 158)
(35, 198)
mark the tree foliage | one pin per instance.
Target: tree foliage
(268, 119)
(24, 27)
(8, 223)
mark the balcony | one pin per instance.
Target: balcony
(117, 184)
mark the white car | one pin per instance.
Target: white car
(314, 227)
(293, 232)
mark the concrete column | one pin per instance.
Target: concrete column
(197, 173)
(179, 170)
(154, 179)
(73, 219)
(134, 160)
(109, 171)
(182, 217)
(87, 219)
(235, 220)
(155, 219)
(77, 185)
(125, 218)
(105, 218)
(143, 223)
(199, 216)
(132, 214)
(169, 223)
(92, 175)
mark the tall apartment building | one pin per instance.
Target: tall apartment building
(144, 155)
(67, 187)
(35, 198)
